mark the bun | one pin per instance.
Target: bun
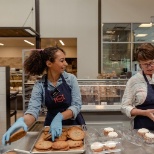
(110, 145)
(112, 134)
(142, 131)
(149, 137)
(97, 147)
(107, 130)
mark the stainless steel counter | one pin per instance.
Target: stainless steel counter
(24, 145)
(100, 108)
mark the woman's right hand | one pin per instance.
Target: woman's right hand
(16, 126)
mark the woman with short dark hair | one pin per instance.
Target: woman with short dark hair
(138, 98)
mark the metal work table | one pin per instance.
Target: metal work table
(24, 145)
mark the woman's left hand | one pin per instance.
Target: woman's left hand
(150, 113)
(56, 126)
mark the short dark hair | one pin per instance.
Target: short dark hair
(35, 64)
(145, 52)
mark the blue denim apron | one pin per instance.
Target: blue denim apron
(60, 103)
(143, 121)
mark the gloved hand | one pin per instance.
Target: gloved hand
(56, 126)
(16, 126)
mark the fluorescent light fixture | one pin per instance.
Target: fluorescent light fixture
(146, 25)
(61, 42)
(1, 44)
(30, 31)
(141, 35)
(28, 42)
(110, 32)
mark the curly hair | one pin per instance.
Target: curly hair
(35, 64)
(145, 52)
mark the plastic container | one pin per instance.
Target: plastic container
(106, 146)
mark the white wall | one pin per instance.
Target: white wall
(14, 13)
(74, 18)
(127, 10)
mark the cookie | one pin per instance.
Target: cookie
(59, 145)
(61, 138)
(43, 145)
(73, 144)
(64, 129)
(47, 137)
(46, 130)
(76, 134)
(17, 135)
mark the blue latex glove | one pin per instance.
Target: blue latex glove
(56, 126)
(16, 126)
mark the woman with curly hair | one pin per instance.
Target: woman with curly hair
(57, 90)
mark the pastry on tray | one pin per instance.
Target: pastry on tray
(142, 131)
(107, 130)
(97, 147)
(72, 138)
(149, 137)
(112, 134)
(110, 145)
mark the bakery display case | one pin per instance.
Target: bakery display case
(101, 94)
(16, 80)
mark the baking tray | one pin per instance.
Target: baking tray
(71, 151)
(37, 126)
(22, 146)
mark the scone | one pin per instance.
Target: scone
(142, 131)
(97, 147)
(107, 130)
(112, 134)
(149, 137)
(110, 145)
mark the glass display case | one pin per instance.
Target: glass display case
(101, 94)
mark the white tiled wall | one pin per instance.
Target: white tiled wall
(2, 101)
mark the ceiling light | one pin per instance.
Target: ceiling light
(30, 31)
(61, 42)
(110, 32)
(146, 25)
(1, 44)
(28, 42)
(141, 35)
